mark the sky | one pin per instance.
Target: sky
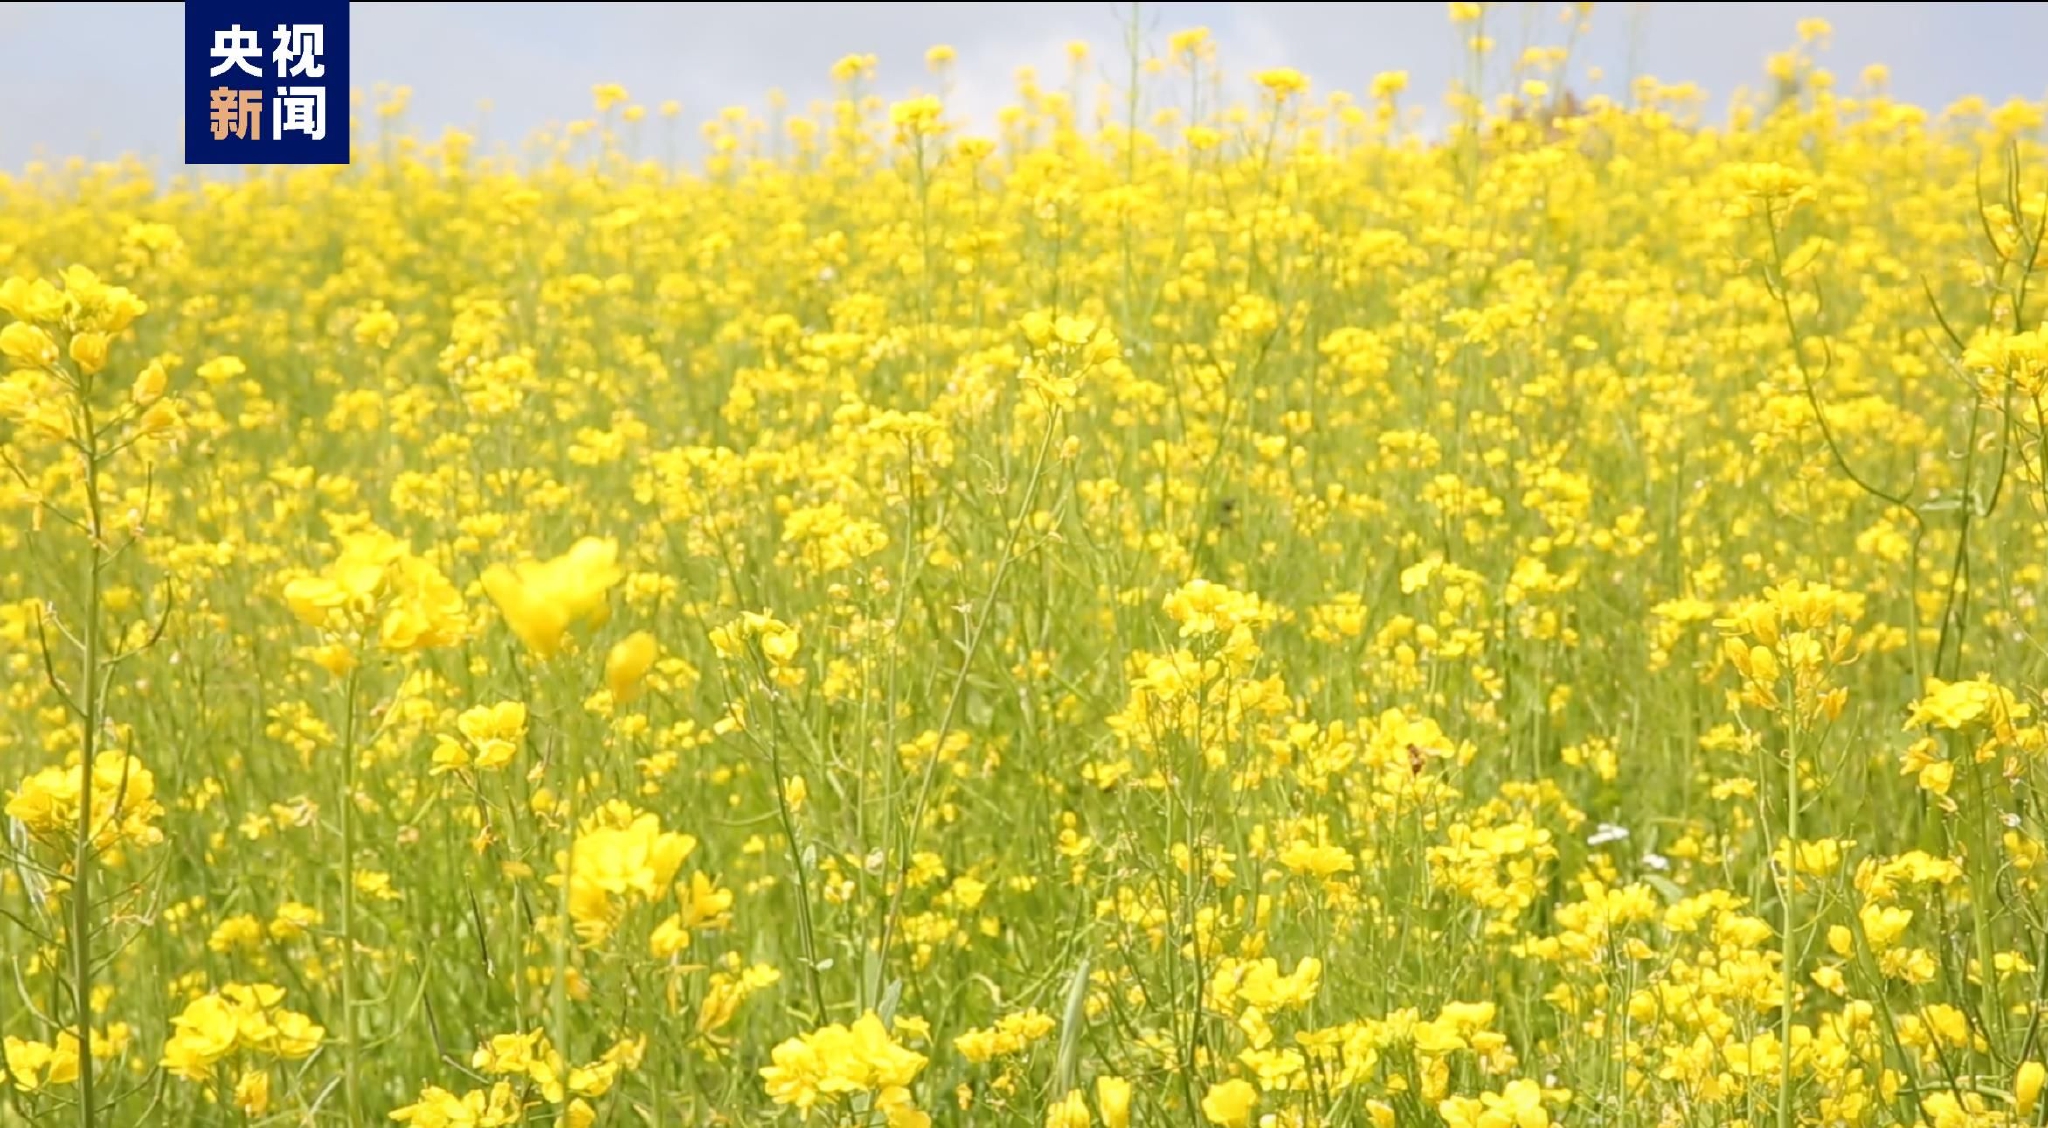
(102, 80)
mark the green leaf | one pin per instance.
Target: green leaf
(1071, 1025)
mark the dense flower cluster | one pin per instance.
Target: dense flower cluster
(1162, 612)
(842, 1064)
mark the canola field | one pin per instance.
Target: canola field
(1165, 610)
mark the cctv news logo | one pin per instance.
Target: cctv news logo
(266, 83)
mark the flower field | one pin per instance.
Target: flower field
(1160, 609)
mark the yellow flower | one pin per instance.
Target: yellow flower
(1771, 182)
(1519, 1105)
(1229, 1104)
(1937, 777)
(620, 855)
(1113, 1099)
(625, 668)
(1883, 924)
(32, 300)
(425, 611)
(1961, 705)
(852, 68)
(1282, 82)
(31, 1065)
(293, 920)
(204, 1033)
(27, 346)
(124, 805)
(1317, 860)
(492, 732)
(89, 351)
(2026, 1087)
(778, 643)
(295, 1036)
(252, 1092)
(541, 600)
(837, 1060)
(1262, 985)
(1012, 1034)
(498, 1107)
(1070, 1111)
(246, 1017)
(918, 117)
(376, 580)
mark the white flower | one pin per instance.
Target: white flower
(1608, 832)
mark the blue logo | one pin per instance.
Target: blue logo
(266, 82)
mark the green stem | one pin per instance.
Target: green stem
(971, 648)
(82, 853)
(517, 807)
(1983, 891)
(1788, 951)
(565, 927)
(807, 933)
(351, 1087)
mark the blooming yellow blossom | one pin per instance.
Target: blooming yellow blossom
(542, 600)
